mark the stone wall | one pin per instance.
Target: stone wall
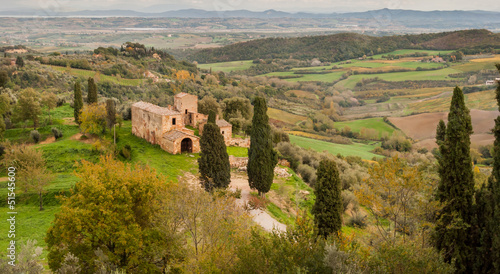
(186, 102)
(146, 125)
(238, 142)
(237, 162)
(174, 147)
(227, 132)
(168, 123)
(241, 164)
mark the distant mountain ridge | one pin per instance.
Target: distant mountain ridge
(199, 13)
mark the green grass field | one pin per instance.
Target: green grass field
(227, 67)
(356, 149)
(409, 51)
(328, 77)
(237, 151)
(88, 73)
(375, 123)
(61, 157)
(441, 74)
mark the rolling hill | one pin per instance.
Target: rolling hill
(343, 46)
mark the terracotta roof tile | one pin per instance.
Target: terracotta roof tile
(182, 94)
(223, 123)
(175, 135)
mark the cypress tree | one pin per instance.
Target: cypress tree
(488, 211)
(92, 94)
(327, 209)
(110, 113)
(20, 61)
(78, 102)
(456, 187)
(215, 171)
(494, 187)
(262, 158)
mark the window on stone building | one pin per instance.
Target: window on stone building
(222, 132)
(186, 111)
(173, 121)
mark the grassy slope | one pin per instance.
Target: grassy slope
(284, 116)
(61, 157)
(227, 66)
(441, 74)
(409, 51)
(375, 123)
(89, 73)
(484, 100)
(356, 149)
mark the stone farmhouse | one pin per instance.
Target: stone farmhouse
(167, 126)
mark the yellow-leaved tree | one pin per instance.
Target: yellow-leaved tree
(33, 175)
(107, 221)
(399, 193)
(93, 119)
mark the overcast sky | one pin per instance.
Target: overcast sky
(318, 6)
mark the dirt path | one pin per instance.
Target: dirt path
(78, 137)
(240, 182)
(48, 140)
(4, 179)
(259, 216)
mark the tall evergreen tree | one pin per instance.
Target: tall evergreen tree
(19, 62)
(456, 187)
(215, 171)
(327, 209)
(110, 113)
(488, 211)
(92, 94)
(262, 158)
(78, 102)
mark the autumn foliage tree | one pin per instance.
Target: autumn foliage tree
(28, 106)
(4, 108)
(33, 175)
(111, 212)
(49, 100)
(397, 192)
(214, 225)
(327, 209)
(93, 119)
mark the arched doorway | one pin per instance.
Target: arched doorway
(187, 145)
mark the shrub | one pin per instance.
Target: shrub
(358, 219)
(35, 136)
(422, 150)
(256, 203)
(407, 257)
(57, 133)
(60, 102)
(307, 173)
(341, 261)
(349, 198)
(126, 152)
